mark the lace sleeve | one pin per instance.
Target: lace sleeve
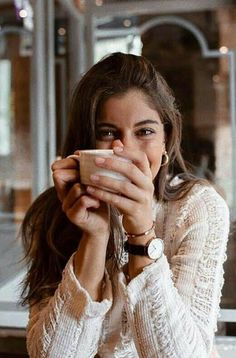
(172, 306)
(69, 323)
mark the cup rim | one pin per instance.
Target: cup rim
(97, 151)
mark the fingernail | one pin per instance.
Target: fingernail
(90, 189)
(94, 177)
(99, 160)
(118, 149)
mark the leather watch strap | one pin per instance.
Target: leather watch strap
(139, 250)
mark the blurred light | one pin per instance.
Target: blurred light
(99, 2)
(216, 78)
(80, 4)
(61, 31)
(127, 22)
(23, 13)
(224, 49)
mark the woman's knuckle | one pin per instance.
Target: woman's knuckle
(132, 207)
(56, 176)
(99, 193)
(83, 199)
(76, 189)
(116, 200)
(132, 169)
(54, 164)
(125, 186)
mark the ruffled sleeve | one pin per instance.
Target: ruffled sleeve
(69, 323)
(172, 305)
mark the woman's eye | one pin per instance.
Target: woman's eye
(145, 132)
(104, 134)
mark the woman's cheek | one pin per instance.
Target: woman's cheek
(103, 145)
(155, 167)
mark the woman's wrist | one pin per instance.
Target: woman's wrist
(137, 263)
(89, 264)
(100, 238)
(142, 240)
(142, 234)
(145, 233)
(137, 227)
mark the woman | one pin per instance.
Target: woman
(87, 295)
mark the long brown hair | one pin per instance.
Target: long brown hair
(49, 238)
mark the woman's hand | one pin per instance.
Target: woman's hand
(134, 197)
(83, 210)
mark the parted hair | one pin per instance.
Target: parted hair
(49, 238)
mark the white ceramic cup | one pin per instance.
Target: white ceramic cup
(88, 166)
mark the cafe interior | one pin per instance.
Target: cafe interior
(45, 48)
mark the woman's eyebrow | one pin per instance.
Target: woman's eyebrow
(105, 124)
(146, 121)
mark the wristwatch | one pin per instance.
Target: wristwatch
(153, 249)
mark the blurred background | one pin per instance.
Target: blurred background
(45, 47)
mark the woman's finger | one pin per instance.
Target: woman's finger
(123, 187)
(124, 204)
(64, 172)
(78, 213)
(62, 178)
(67, 163)
(139, 158)
(127, 169)
(73, 194)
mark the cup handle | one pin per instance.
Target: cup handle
(74, 156)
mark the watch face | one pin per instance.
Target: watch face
(155, 249)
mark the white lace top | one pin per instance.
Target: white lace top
(169, 310)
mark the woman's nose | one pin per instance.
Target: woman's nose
(117, 143)
(125, 141)
(129, 141)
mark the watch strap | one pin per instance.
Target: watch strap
(140, 250)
